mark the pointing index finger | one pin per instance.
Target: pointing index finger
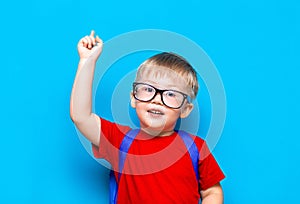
(92, 33)
(92, 37)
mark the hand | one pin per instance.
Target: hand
(90, 47)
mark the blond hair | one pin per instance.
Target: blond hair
(175, 63)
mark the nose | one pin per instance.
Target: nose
(157, 99)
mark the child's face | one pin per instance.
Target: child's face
(155, 117)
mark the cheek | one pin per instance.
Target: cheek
(173, 114)
(139, 107)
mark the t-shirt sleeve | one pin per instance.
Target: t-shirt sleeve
(111, 135)
(210, 172)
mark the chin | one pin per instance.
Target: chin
(153, 128)
(156, 125)
(156, 129)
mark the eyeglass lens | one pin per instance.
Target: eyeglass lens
(171, 98)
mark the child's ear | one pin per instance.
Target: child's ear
(186, 110)
(132, 100)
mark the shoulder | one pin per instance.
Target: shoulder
(107, 125)
(201, 145)
(113, 132)
(198, 140)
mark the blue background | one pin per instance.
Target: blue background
(254, 45)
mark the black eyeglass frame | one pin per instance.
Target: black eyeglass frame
(160, 91)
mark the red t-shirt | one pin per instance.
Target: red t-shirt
(157, 169)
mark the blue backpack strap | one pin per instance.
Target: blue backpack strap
(193, 150)
(124, 147)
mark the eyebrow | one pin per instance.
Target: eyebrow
(164, 89)
(152, 83)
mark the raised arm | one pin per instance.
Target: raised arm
(89, 50)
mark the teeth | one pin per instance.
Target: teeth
(155, 112)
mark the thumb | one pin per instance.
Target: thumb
(98, 40)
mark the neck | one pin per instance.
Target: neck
(156, 133)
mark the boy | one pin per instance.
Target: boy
(158, 166)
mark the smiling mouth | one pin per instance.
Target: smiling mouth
(156, 112)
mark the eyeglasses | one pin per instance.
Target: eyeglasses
(170, 98)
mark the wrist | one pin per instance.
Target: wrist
(83, 62)
(87, 60)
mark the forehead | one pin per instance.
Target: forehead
(163, 78)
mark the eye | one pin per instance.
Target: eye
(145, 89)
(170, 94)
(148, 89)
